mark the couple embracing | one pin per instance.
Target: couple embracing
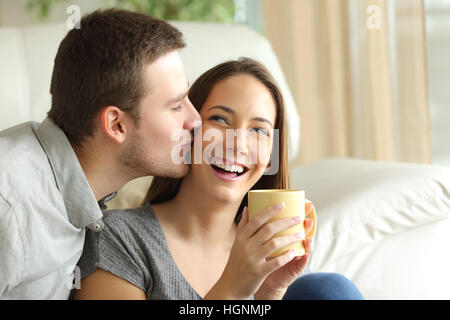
(119, 92)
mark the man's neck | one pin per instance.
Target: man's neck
(101, 173)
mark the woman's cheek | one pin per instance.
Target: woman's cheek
(212, 142)
(262, 152)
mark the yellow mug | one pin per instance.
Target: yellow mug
(294, 201)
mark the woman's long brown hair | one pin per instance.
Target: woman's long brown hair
(163, 189)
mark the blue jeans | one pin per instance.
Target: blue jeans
(322, 286)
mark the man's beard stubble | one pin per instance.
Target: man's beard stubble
(142, 159)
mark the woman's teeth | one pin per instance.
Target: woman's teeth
(230, 167)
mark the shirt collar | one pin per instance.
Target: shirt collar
(102, 202)
(83, 210)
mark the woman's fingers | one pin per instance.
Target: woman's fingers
(278, 262)
(307, 245)
(270, 229)
(278, 243)
(260, 219)
(309, 223)
(302, 262)
(308, 207)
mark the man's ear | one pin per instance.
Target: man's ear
(112, 123)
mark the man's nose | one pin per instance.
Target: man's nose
(193, 119)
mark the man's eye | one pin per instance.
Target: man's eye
(261, 130)
(219, 119)
(177, 108)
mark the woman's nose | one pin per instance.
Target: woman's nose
(239, 147)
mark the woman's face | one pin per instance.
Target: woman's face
(238, 119)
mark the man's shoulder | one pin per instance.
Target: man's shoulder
(18, 141)
(18, 130)
(23, 162)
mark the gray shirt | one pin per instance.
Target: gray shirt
(45, 205)
(132, 247)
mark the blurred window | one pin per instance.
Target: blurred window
(438, 37)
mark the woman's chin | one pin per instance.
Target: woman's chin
(226, 194)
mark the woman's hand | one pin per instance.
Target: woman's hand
(275, 285)
(248, 266)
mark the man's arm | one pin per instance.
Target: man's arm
(12, 257)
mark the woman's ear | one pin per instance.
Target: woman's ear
(112, 122)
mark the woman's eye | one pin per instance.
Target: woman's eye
(219, 119)
(177, 108)
(261, 130)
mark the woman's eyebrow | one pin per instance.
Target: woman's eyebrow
(224, 108)
(231, 111)
(263, 120)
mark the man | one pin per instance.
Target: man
(119, 91)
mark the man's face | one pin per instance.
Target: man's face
(165, 110)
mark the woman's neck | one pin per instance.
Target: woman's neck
(196, 219)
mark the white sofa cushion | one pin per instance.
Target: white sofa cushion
(413, 264)
(367, 207)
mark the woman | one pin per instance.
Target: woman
(189, 241)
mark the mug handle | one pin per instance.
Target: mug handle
(312, 215)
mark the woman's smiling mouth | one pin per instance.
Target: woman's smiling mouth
(227, 171)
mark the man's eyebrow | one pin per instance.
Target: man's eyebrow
(180, 96)
(231, 111)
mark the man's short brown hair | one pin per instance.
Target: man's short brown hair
(101, 64)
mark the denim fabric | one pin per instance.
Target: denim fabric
(323, 286)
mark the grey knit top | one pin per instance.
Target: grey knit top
(132, 246)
